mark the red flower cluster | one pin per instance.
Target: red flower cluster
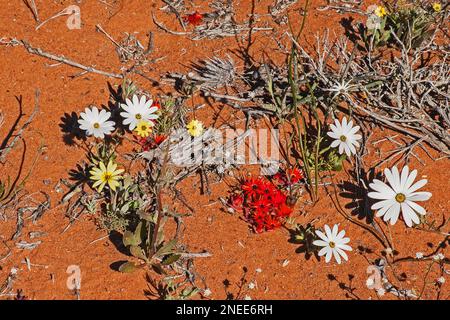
(195, 18)
(289, 177)
(262, 203)
(151, 142)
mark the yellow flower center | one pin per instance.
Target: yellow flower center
(332, 244)
(96, 125)
(343, 138)
(380, 11)
(138, 116)
(107, 176)
(400, 197)
(436, 6)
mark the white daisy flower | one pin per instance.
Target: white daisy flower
(399, 195)
(345, 136)
(333, 243)
(96, 123)
(138, 110)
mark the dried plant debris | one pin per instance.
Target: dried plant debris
(35, 212)
(342, 6)
(213, 73)
(7, 286)
(130, 48)
(217, 154)
(28, 245)
(403, 94)
(218, 23)
(174, 6)
(278, 9)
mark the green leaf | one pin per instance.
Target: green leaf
(133, 239)
(158, 269)
(128, 267)
(137, 252)
(172, 258)
(166, 249)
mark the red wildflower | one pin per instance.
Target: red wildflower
(271, 223)
(251, 187)
(259, 227)
(294, 175)
(149, 143)
(278, 198)
(284, 211)
(195, 18)
(156, 104)
(290, 176)
(236, 201)
(261, 205)
(259, 217)
(266, 188)
(159, 138)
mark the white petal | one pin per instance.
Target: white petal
(335, 143)
(393, 213)
(380, 204)
(328, 232)
(393, 178)
(383, 188)
(342, 253)
(410, 180)
(320, 243)
(347, 150)
(344, 246)
(416, 186)
(336, 256)
(407, 213)
(333, 135)
(341, 148)
(404, 177)
(419, 209)
(335, 231)
(328, 256)
(419, 196)
(135, 101)
(322, 236)
(323, 251)
(379, 196)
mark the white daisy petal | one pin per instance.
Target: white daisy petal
(323, 251)
(337, 256)
(419, 196)
(417, 208)
(416, 186)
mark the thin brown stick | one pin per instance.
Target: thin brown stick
(40, 52)
(6, 150)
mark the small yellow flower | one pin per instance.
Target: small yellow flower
(437, 6)
(103, 175)
(195, 128)
(144, 128)
(380, 11)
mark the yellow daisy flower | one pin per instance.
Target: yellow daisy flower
(144, 128)
(437, 7)
(103, 175)
(195, 128)
(380, 11)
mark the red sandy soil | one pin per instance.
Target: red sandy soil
(232, 245)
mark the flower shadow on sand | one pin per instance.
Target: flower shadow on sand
(71, 129)
(357, 192)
